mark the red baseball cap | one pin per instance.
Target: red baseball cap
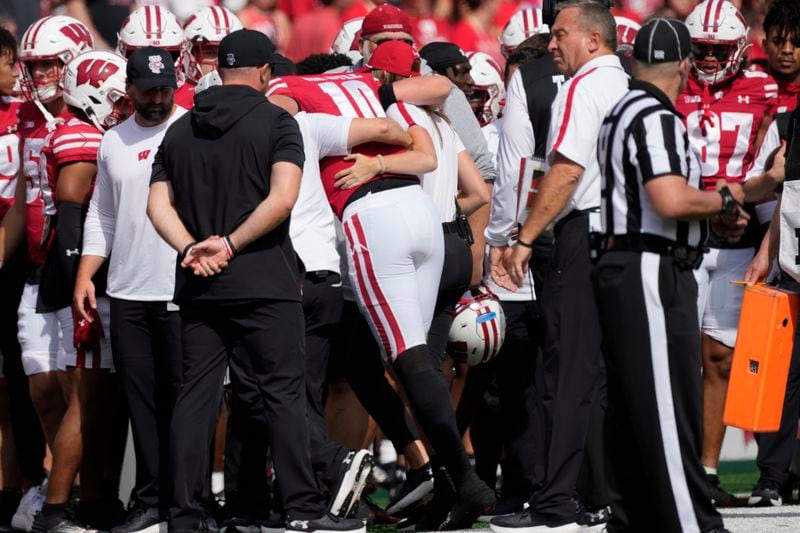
(395, 57)
(383, 18)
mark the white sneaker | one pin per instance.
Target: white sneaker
(29, 506)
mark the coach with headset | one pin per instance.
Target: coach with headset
(654, 222)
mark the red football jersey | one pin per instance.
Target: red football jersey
(788, 93)
(184, 95)
(71, 141)
(347, 95)
(9, 152)
(723, 124)
(33, 131)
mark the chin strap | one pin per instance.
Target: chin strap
(52, 121)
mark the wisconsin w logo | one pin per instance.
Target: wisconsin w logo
(95, 71)
(77, 33)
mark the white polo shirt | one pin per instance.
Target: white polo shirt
(441, 184)
(141, 265)
(578, 112)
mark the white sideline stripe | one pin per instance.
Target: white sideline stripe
(663, 385)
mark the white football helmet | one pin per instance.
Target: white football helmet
(626, 33)
(212, 79)
(523, 24)
(478, 329)
(152, 26)
(50, 38)
(347, 38)
(94, 82)
(718, 31)
(205, 29)
(489, 93)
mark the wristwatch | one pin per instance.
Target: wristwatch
(729, 204)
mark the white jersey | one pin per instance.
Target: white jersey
(578, 112)
(141, 265)
(442, 183)
(312, 226)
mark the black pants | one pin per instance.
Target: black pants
(146, 344)
(775, 449)
(515, 423)
(28, 435)
(269, 337)
(571, 365)
(246, 439)
(456, 275)
(651, 343)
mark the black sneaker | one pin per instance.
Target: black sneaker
(44, 520)
(474, 497)
(765, 494)
(504, 506)
(592, 518)
(528, 519)
(273, 526)
(720, 497)
(431, 516)
(202, 527)
(418, 485)
(240, 525)
(141, 519)
(326, 524)
(353, 475)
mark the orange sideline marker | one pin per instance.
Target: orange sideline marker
(761, 359)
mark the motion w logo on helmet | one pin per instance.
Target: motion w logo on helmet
(95, 72)
(77, 33)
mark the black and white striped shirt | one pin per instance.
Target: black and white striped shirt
(641, 139)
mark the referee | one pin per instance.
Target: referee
(653, 213)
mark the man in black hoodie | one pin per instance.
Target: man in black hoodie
(227, 174)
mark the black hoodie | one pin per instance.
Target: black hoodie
(218, 158)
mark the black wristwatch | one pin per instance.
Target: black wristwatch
(729, 204)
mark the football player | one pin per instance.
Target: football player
(203, 31)
(46, 47)
(782, 44)
(727, 111)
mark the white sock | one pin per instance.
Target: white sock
(710, 470)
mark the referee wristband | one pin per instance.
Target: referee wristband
(524, 244)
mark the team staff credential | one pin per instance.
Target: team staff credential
(222, 178)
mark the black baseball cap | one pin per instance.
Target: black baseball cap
(662, 40)
(245, 48)
(440, 56)
(151, 67)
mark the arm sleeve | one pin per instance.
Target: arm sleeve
(656, 140)
(516, 146)
(287, 142)
(772, 140)
(574, 125)
(330, 133)
(386, 95)
(100, 223)
(458, 110)
(69, 230)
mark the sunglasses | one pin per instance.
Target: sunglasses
(379, 42)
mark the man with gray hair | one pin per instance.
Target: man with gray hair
(583, 44)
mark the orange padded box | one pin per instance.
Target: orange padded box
(761, 359)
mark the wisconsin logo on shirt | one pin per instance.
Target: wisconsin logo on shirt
(144, 154)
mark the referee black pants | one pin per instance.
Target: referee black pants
(571, 366)
(146, 344)
(269, 337)
(651, 343)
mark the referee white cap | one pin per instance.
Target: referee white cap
(662, 40)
